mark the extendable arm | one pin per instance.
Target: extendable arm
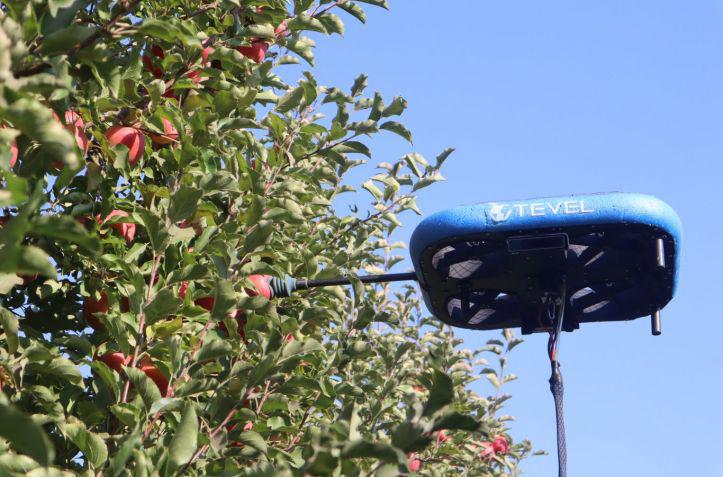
(285, 287)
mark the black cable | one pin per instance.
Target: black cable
(558, 390)
(556, 386)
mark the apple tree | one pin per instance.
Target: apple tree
(157, 172)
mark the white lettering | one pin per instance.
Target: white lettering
(572, 207)
(537, 209)
(555, 210)
(583, 209)
(502, 212)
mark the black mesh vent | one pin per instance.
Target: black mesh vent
(477, 282)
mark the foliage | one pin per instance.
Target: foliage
(154, 165)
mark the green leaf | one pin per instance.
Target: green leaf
(305, 22)
(427, 180)
(364, 127)
(397, 128)
(224, 299)
(155, 228)
(413, 160)
(24, 434)
(302, 47)
(61, 368)
(253, 439)
(443, 157)
(375, 450)
(408, 436)
(332, 23)
(260, 235)
(184, 203)
(171, 30)
(456, 421)
(90, 444)
(65, 228)
(213, 349)
(221, 181)
(360, 83)
(165, 303)
(185, 438)
(377, 3)
(10, 327)
(354, 10)
(144, 386)
(224, 103)
(62, 41)
(255, 211)
(290, 100)
(166, 405)
(377, 107)
(396, 108)
(26, 260)
(117, 464)
(353, 146)
(441, 393)
(258, 30)
(373, 190)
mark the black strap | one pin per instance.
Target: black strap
(558, 389)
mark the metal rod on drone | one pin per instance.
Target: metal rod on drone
(330, 282)
(655, 323)
(660, 261)
(660, 252)
(284, 287)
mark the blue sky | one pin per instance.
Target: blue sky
(554, 97)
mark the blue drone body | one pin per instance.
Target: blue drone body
(487, 266)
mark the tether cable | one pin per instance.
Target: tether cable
(556, 313)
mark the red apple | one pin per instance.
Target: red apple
(114, 360)
(197, 228)
(205, 54)
(442, 437)
(261, 284)
(28, 279)
(240, 324)
(282, 30)
(156, 375)
(413, 462)
(500, 445)
(150, 63)
(129, 137)
(91, 306)
(205, 302)
(170, 134)
(124, 305)
(13, 153)
(75, 124)
(126, 230)
(255, 52)
(182, 290)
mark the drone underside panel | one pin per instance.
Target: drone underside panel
(490, 279)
